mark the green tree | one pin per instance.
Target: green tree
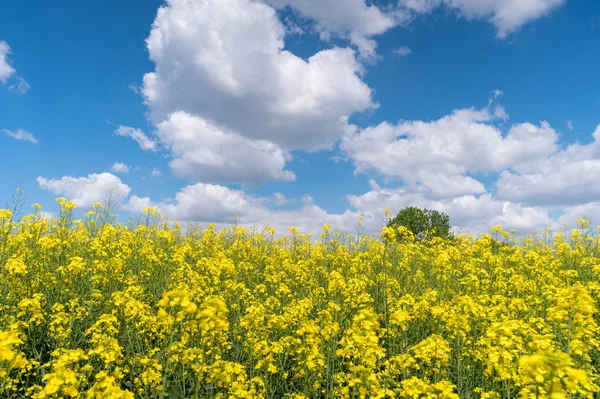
(423, 223)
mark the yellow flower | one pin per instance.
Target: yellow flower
(15, 266)
(101, 309)
(497, 229)
(8, 340)
(433, 351)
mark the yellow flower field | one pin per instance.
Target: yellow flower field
(96, 309)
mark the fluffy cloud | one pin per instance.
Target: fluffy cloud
(352, 19)
(224, 62)
(140, 137)
(437, 156)
(531, 176)
(444, 185)
(21, 134)
(508, 16)
(84, 191)
(359, 21)
(205, 202)
(230, 103)
(212, 203)
(6, 70)
(119, 167)
(589, 211)
(204, 152)
(222, 205)
(567, 177)
(467, 212)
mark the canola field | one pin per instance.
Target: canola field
(97, 309)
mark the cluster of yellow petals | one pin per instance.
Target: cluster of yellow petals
(94, 308)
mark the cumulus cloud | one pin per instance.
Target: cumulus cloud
(218, 204)
(530, 176)
(436, 156)
(207, 202)
(589, 211)
(21, 134)
(6, 69)
(566, 177)
(224, 61)
(279, 199)
(204, 152)
(230, 104)
(508, 16)
(439, 163)
(221, 205)
(360, 21)
(352, 19)
(145, 143)
(84, 191)
(444, 185)
(467, 212)
(119, 167)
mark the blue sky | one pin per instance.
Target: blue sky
(306, 112)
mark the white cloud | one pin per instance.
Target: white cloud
(155, 173)
(468, 212)
(119, 167)
(307, 200)
(352, 19)
(21, 134)
(436, 156)
(508, 16)
(279, 199)
(84, 191)
(443, 185)
(211, 203)
(359, 21)
(419, 6)
(566, 177)
(589, 211)
(6, 69)
(206, 202)
(207, 153)
(402, 51)
(20, 85)
(310, 218)
(224, 61)
(570, 125)
(139, 136)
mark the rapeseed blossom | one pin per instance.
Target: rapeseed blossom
(98, 309)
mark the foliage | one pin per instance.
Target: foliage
(96, 309)
(424, 224)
